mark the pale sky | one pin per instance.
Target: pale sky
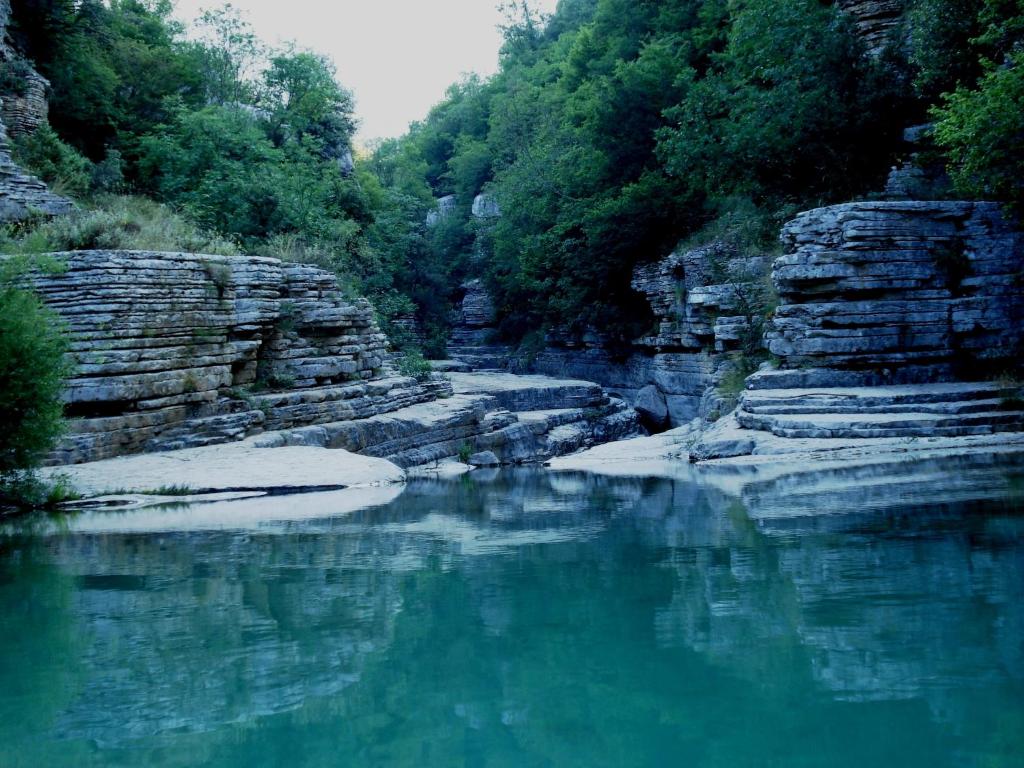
(396, 56)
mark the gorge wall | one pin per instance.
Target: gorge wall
(704, 303)
(176, 350)
(868, 293)
(900, 291)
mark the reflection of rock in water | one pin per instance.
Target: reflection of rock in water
(166, 619)
(478, 599)
(874, 591)
(871, 487)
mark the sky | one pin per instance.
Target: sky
(396, 56)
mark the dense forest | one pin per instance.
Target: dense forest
(614, 130)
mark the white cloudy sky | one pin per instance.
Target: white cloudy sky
(397, 56)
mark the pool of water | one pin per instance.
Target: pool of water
(525, 618)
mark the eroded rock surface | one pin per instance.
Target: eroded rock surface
(473, 336)
(899, 285)
(177, 350)
(875, 21)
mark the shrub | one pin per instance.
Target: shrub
(32, 372)
(25, 490)
(414, 364)
(116, 223)
(108, 174)
(982, 132)
(58, 164)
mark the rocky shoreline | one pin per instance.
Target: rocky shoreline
(886, 311)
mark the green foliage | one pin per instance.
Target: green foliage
(58, 164)
(413, 364)
(24, 490)
(116, 223)
(616, 129)
(982, 131)
(14, 74)
(465, 451)
(32, 373)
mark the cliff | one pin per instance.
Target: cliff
(916, 289)
(180, 350)
(187, 352)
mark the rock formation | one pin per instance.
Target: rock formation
(22, 195)
(472, 338)
(704, 303)
(176, 350)
(25, 111)
(915, 288)
(875, 21)
(486, 207)
(894, 318)
(445, 208)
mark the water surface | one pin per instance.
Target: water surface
(526, 619)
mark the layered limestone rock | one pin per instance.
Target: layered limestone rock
(175, 350)
(876, 21)
(517, 418)
(22, 195)
(703, 299)
(23, 112)
(705, 303)
(892, 316)
(472, 337)
(920, 289)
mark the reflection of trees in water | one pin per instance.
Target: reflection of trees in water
(546, 619)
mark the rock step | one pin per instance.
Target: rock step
(875, 425)
(477, 422)
(209, 430)
(840, 406)
(881, 395)
(530, 393)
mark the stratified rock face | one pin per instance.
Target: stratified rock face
(445, 208)
(22, 195)
(486, 207)
(704, 301)
(176, 350)
(23, 112)
(875, 20)
(906, 286)
(472, 337)
(701, 297)
(26, 110)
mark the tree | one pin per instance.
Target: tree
(982, 131)
(32, 373)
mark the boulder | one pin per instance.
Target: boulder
(445, 207)
(484, 459)
(653, 409)
(486, 207)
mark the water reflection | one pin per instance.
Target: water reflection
(528, 618)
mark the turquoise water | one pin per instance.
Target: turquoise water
(525, 619)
